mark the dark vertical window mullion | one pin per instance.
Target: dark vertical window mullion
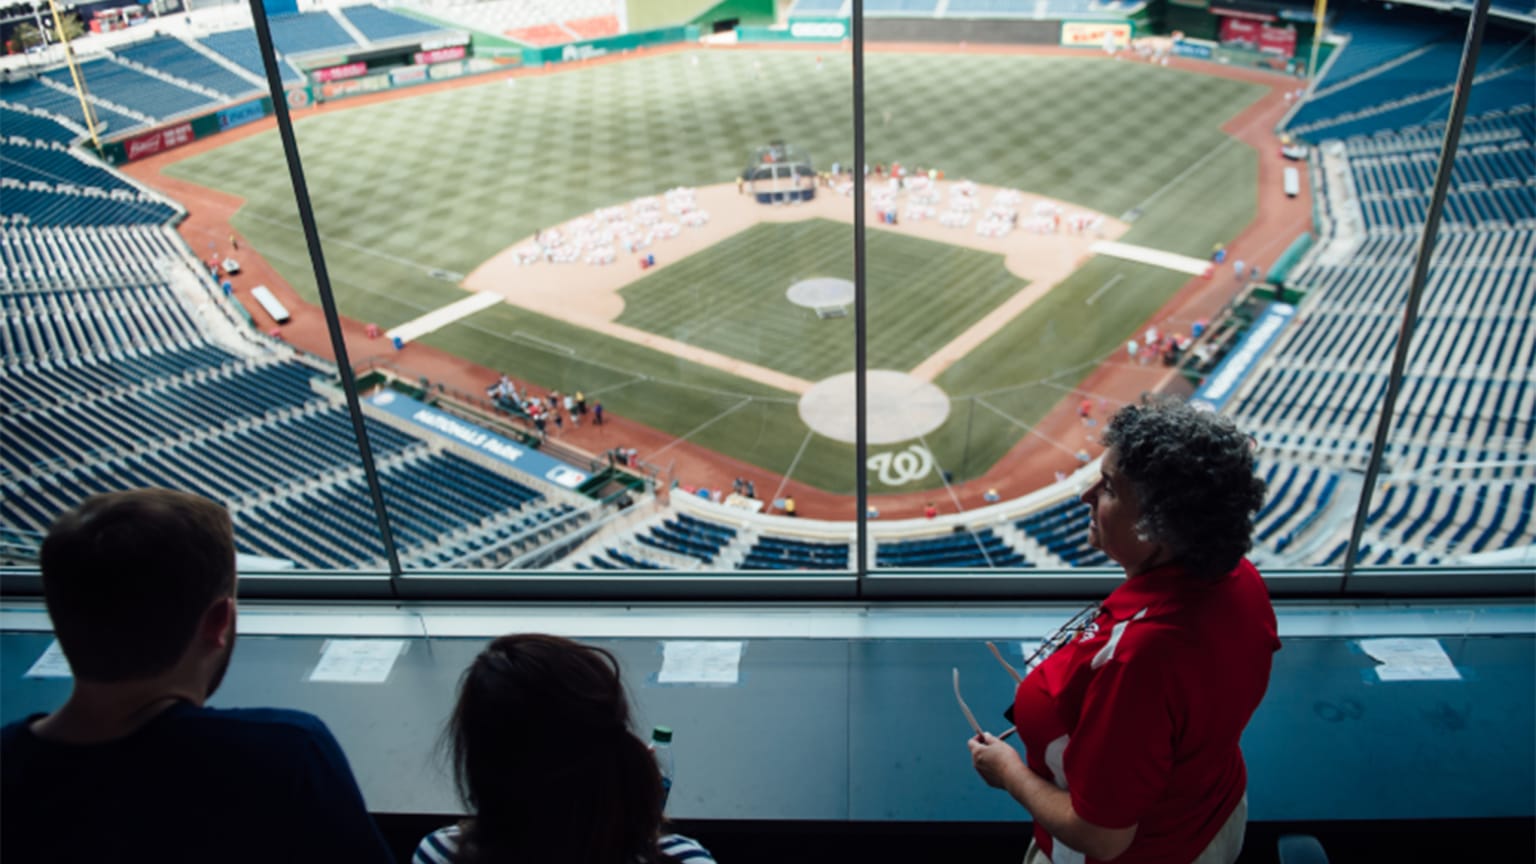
(1448, 144)
(860, 308)
(323, 283)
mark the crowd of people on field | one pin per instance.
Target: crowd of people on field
(549, 413)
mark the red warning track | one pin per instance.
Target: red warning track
(1032, 463)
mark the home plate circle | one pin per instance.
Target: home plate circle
(820, 293)
(901, 407)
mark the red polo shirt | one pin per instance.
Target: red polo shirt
(1139, 717)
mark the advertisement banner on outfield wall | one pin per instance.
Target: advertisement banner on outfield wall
(602, 47)
(799, 30)
(157, 142)
(196, 129)
(1259, 36)
(1095, 34)
(408, 75)
(438, 55)
(339, 73)
(818, 29)
(353, 87)
(239, 115)
(1199, 49)
(1224, 382)
(1280, 41)
(1240, 31)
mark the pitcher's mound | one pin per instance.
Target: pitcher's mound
(900, 407)
(818, 293)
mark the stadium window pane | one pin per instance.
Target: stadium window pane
(1057, 220)
(558, 292)
(137, 350)
(1168, 215)
(1457, 484)
(1455, 475)
(612, 210)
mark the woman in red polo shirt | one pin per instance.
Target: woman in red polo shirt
(1132, 726)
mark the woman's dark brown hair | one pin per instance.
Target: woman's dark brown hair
(544, 757)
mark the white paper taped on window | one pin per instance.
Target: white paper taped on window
(701, 662)
(1410, 659)
(358, 661)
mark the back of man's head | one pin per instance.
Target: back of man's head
(128, 575)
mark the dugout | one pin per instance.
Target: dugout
(780, 174)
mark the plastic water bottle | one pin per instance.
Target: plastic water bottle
(661, 745)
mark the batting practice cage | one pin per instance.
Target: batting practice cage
(780, 174)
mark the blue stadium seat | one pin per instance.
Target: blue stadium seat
(240, 48)
(36, 127)
(174, 57)
(381, 25)
(308, 32)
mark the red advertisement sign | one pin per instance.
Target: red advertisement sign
(1241, 31)
(337, 73)
(157, 141)
(439, 55)
(1278, 40)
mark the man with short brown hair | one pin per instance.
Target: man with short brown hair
(140, 586)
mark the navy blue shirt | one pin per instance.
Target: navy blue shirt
(194, 784)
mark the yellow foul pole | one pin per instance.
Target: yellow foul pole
(1320, 12)
(75, 74)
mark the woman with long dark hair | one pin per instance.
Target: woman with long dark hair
(544, 758)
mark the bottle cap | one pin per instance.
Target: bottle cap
(662, 735)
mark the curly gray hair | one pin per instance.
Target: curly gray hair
(1193, 473)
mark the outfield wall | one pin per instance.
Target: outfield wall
(799, 30)
(345, 81)
(141, 144)
(978, 30)
(609, 45)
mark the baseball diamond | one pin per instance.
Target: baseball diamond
(706, 347)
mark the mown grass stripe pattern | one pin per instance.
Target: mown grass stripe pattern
(444, 181)
(731, 298)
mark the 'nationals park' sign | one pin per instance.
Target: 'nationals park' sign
(504, 450)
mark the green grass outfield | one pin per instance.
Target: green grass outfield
(442, 182)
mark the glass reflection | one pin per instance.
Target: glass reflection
(141, 348)
(1455, 467)
(596, 289)
(1073, 273)
(1456, 483)
(570, 295)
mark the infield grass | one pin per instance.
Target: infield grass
(411, 191)
(731, 297)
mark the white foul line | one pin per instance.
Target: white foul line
(1102, 288)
